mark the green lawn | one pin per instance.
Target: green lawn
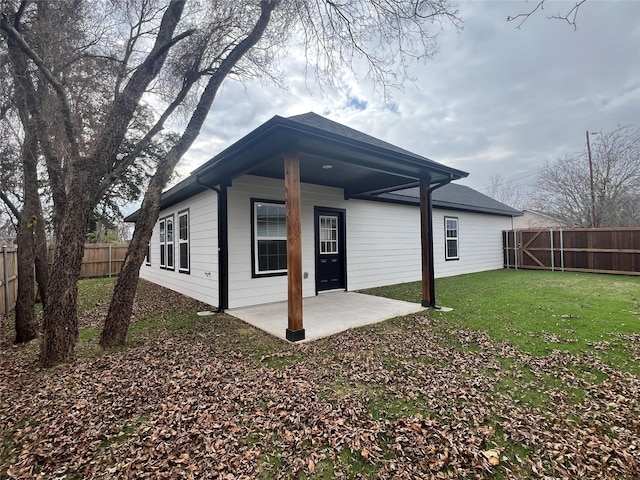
(538, 368)
(539, 312)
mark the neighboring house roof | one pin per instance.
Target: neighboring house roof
(537, 219)
(455, 197)
(364, 166)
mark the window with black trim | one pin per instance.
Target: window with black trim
(163, 244)
(451, 238)
(169, 236)
(147, 257)
(269, 232)
(183, 241)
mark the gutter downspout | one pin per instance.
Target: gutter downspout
(432, 272)
(223, 245)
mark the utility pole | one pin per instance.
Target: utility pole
(593, 194)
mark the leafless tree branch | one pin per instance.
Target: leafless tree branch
(569, 17)
(53, 81)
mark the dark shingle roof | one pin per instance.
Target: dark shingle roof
(450, 196)
(317, 121)
(456, 197)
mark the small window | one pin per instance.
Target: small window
(162, 244)
(183, 241)
(170, 242)
(269, 238)
(147, 257)
(451, 238)
(328, 234)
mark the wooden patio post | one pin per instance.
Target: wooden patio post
(426, 241)
(295, 330)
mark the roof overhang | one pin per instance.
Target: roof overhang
(359, 168)
(326, 158)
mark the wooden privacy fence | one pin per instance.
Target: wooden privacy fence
(100, 260)
(596, 250)
(8, 278)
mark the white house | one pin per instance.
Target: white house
(303, 205)
(534, 219)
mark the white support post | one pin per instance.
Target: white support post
(553, 269)
(5, 279)
(561, 252)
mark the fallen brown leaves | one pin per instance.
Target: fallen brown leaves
(392, 401)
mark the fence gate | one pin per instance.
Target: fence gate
(597, 250)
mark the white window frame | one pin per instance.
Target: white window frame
(257, 238)
(448, 238)
(162, 234)
(170, 242)
(183, 241)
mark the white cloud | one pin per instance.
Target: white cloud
(495, 99)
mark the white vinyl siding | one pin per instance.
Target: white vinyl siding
(202, 283)
(244, 288)
(479, 243)
(383, 243)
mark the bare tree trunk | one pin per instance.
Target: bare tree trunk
(118, 317)
(116, 324)
(41, 257)
(26, 325)
(60, 313)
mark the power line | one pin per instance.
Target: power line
(516, 179)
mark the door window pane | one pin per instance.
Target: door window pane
(328, 230)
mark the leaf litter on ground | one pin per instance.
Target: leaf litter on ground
(396, 400)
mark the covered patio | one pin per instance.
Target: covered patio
(326, 314)
(311, 149)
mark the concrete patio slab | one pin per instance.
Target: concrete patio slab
(326, 314)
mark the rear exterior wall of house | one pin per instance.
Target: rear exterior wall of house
(200, 280)
(382, 243)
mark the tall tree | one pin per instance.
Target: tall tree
(564, 187)
(507, 191)
(20, 170)
(174, 55)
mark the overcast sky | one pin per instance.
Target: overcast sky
(494, 99)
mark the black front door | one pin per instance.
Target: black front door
(330, 249)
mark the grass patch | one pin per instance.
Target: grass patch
(94, 291)
(539, 312)
(8, 446)
(125, 433)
